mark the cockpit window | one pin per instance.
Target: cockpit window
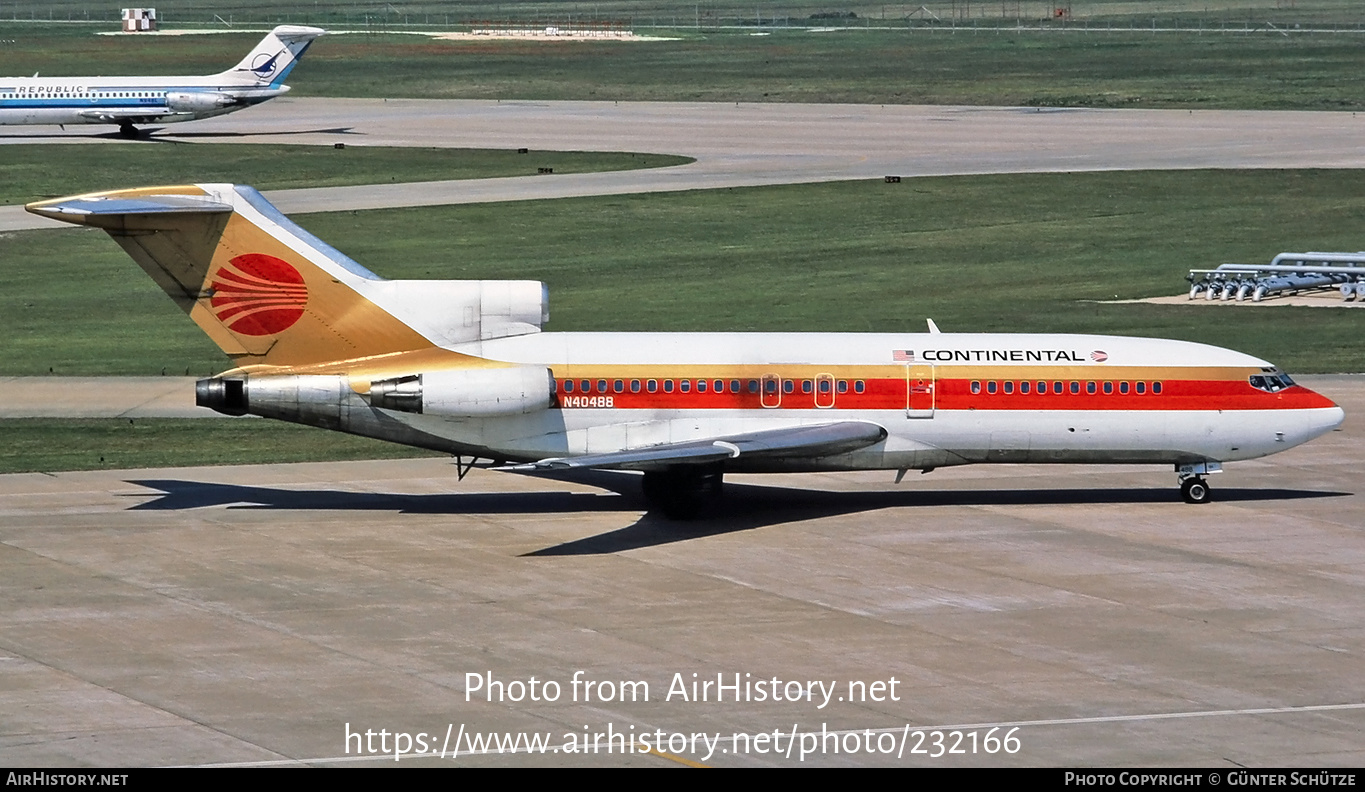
(1271, 381)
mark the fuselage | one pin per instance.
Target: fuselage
(943, 398)
(104, 100)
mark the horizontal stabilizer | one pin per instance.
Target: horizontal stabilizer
(804, 441)
(88, 210)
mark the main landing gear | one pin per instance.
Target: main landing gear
(1193, 487)
(127, 130)
(683, 492)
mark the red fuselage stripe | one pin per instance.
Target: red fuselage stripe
(947, 394)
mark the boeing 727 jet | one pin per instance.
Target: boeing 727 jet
(464, 368)
(127, 101)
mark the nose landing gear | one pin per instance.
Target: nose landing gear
(1195, 490)
(1193, 487)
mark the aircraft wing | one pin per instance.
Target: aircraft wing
(812, 441)
(115, 115)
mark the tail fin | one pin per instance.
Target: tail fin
(269, 293)
(272, 60)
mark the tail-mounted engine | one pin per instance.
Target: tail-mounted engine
(467, 393)
(198, 101)
(326, 400)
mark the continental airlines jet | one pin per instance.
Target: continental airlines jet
(157, 100)
(463, 367)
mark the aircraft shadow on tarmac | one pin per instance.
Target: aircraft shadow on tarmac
(744, 507)
(145, 135)
(332, 131)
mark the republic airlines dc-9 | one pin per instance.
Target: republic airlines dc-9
(127, 101)
(463, 367)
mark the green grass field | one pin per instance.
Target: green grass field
(40, 171)
(1015, 253)
(654, 13)
(939, 66)
(34, 445)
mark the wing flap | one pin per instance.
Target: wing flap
(812, 441)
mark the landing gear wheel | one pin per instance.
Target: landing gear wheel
(127, 130)
(683, 492)
(1195, 490)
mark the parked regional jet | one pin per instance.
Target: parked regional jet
(157, 100)
(463, 367)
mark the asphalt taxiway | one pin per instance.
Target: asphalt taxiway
(745, 145)
(254, 614)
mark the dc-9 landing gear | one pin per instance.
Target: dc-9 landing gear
(1193, 487)
(1195, 490)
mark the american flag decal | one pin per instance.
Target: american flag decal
(903, 355)
(1099, 356)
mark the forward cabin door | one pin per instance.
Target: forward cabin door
(919, 390)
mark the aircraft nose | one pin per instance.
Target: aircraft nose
(1321, 420)
(1333, 418)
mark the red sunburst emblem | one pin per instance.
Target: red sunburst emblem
(255, 294)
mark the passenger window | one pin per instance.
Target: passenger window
(585, 386)
(1009, 386)
(825, 386)
(858, 386)
(685, 386)
(1042, 388)
(843, 386)
(1108, 388)
(976, 386)
(1023, 387)
(719, 386)
(753, 386)
(634, 386)
(770, 386)
(568, 386)
(807, 386)
(1090, 388)
(652, 386)
(618, 386)
(701, 386)
(601, 386)
(1057, 387)
(990, 387)
(1123, 387)
(1156, 388)
(734, 386)
(788, 386)
(1075, 387)
(1141, 387)
(668, 386)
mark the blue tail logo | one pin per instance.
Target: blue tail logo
(265, 68)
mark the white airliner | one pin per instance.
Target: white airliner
(463, 367)
(157, 100)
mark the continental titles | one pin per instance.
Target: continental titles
(1001, 356)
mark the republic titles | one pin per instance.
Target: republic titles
(48, 90)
